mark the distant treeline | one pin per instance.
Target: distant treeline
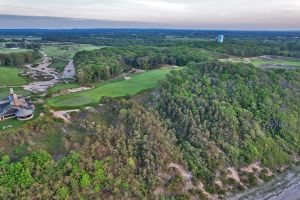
(18, 59)
(108, 62)
(23, 45)
(243, 44)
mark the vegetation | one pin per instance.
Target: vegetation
(18, 90)
(109, 62)
(66, 51)
(18, 59)
(58, 64)
(203, 124)
(110, 160)
(232, 115)
(138, 83)
(259, 62)
(10, 76)
(63, 86)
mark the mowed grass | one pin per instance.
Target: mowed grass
(67, 51)
(258, 62)
(18, 90)
(5, 50)
(10, 76)
(137, 84)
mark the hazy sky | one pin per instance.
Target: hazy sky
(229, 14)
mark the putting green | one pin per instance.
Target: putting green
(136, 84)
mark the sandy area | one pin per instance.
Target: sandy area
(63, 114)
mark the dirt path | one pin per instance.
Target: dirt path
(43, 68)
(63, 114)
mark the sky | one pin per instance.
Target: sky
(200, 14)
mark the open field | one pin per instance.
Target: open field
(67, 51)
(260, 62)
(5, 50)
(10, 76)
(138, 83)
(62, 86)
(268, 62)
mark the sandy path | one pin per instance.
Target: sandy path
(63, 114)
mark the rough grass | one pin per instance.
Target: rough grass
(137, 84)
(5, 50)
(10, 76)
(59, 87)
(67, 51)
(59, 65)
(18, 90)
(258, 62)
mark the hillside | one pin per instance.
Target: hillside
(228, 116)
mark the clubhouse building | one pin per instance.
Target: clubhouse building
(14, 106)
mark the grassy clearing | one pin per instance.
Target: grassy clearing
(59, 87)
(258, 62)
(67, 51)
(18, 90)
(5, 50)
(10, 76)
(59, 65)
(138, 83)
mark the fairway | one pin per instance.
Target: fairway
(10, 76)
(138, 83)
(67, 51)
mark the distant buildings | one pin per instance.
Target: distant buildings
(220, 38)
(16, 106)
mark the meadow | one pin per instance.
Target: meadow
(10, 76)
(67, 51)
(5, 50)
(259, 62)
(137, 84)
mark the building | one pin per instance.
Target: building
(220, 38)
(14, 106)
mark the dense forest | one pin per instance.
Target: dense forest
(208, 117)
(123, 151)
(109, 62)
(211, 128)
(232, 115)
(18, 59)
(243, 44)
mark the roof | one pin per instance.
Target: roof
(23, 112)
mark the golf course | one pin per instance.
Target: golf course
(9, 76)
(67, 51)
(136, 84)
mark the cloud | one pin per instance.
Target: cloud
(177, 12)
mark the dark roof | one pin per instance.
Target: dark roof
(23, 112)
